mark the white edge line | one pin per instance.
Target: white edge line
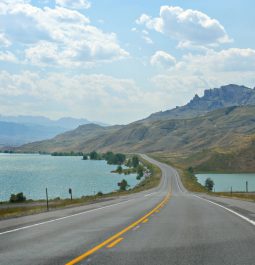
(150, 194)
(62, 218)
(238, 214)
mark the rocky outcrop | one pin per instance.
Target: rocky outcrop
(213, 99)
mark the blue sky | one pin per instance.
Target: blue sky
(119, 61)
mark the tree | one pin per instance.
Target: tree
(19, 197)
(191, 170)
(114, 159)
(140, 170)
(119, 169)
(135, 161)
(209, 184)
(120, 158)
(85, 157)
(123, 185)
(94, 155)
(129, 163)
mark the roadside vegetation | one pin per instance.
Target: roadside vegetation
(189, 180)
(149, 174)
(67, 153)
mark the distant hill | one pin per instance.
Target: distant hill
(227, 127)
(214, 132)
(217, 98)
(14, 134)
(18, 130)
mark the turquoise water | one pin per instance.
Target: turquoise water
(31, 174)
(224, 182)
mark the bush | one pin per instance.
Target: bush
(123, 185)
(135, 161)
(114, 159)
(119, 169)
(19, 197)
(94, 156)
(209, 184)
(140, 170)
(100, 193)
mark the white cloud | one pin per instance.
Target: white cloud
(74, 4)
(194, 73)
(66, 34)
(163, 59)
(8, 57)
(186, 26)
(4, 41)
(78, 95)
(147, 39)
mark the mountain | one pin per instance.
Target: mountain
(14, 134)
(225, 96)
(227, 127)
(203, 133)
(75, 140)
(18, 130)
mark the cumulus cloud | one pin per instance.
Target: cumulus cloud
(194, 73)
(187, 26)
(163, 59)
(229, 60)
(59, 35)
(74, 4)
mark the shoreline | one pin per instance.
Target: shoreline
(13, 210)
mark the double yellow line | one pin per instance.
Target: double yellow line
(114, 237)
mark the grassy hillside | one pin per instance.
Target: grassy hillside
(213, 160)
(229, 129)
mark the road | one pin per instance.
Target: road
(166, 225)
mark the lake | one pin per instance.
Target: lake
(224, 182)
(32, 173)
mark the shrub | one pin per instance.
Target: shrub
(19, 197)
(123, 185)
(209, 184)
(119, 169)
(100, 193)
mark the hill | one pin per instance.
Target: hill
(75, 140)
(213, 99)
(226, 128)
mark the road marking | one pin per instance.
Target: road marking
(150, 194)
(63, 218)
(137, 227)
(157, 211)
(177, 181)
(114, 243)
(145, 221)
(238, 214)
(117, 235)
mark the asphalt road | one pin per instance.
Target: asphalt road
(145, 228)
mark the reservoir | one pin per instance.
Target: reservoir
(32, 173)
(224, 182)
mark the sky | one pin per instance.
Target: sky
(119, 61)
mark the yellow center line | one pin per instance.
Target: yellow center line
(117, 235)
(145, 221)
(114, 243)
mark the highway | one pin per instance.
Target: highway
(166, 225)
